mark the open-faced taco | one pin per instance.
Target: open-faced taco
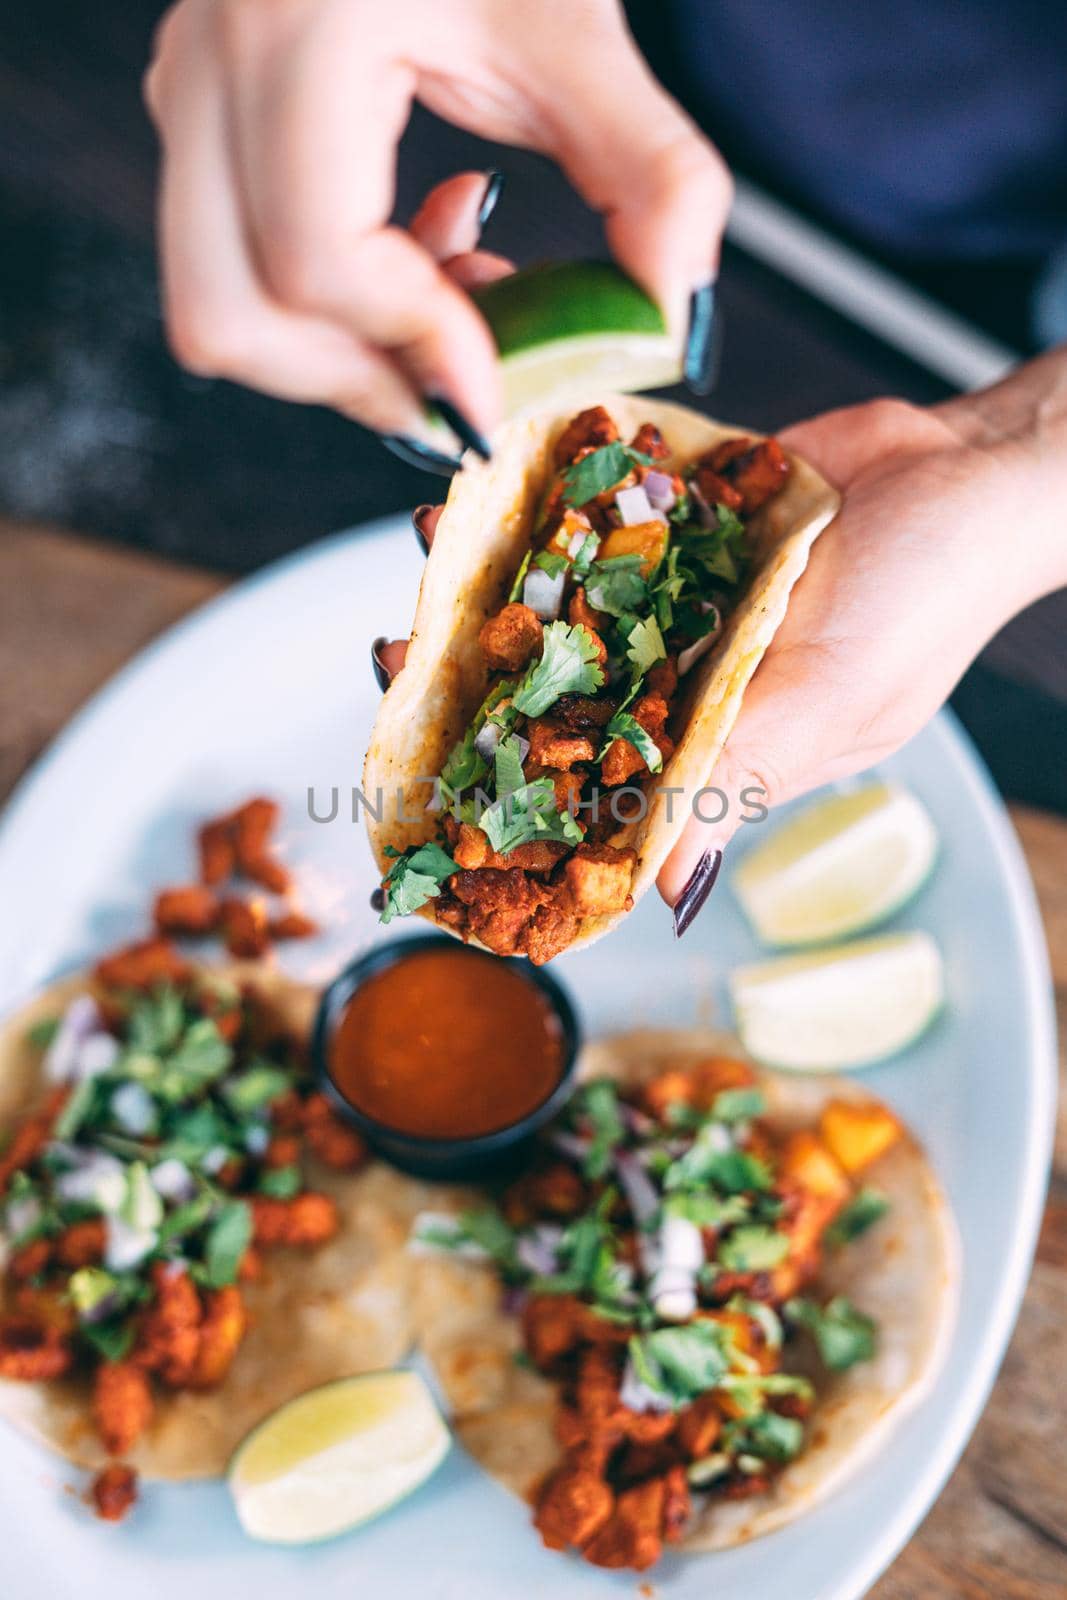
(189, 1237)
(700, 1311)
(596, 600)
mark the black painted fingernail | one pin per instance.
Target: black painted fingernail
(494, 182)
(416, 521)
(377, 899)
(696, 891)
(461, 427)
(417, 454)
(703, 344)
(381, 675)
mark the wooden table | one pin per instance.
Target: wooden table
(72, 611)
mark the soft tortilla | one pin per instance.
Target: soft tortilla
(481, 538)
(904, 1272)
(314, 1315)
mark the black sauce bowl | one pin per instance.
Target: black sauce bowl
(484, 1154)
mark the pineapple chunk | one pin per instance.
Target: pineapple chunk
(805, 1158)
(858, 1134)
(646, 539)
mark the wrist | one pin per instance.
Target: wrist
(1020, 424)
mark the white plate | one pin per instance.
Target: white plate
(269, 689)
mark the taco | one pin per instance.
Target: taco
(188, 1237)
(589, 617)
(703, 1308)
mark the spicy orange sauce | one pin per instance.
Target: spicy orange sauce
(447, 1044)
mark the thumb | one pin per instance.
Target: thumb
(635, 156)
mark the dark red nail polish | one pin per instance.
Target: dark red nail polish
(417, 517)
(381, 676)
(696, 891)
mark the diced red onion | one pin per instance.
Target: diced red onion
(97, 1054)
(133, 1109)
(638, 1122)
(538, 1250)
(99, 1180)
(213, 1160)
(126, 1246)
(640, 1191)
(486, 740)
(79, 1022)
(707, 514)
(172, 1180)
(635, 1394)
(20, 1216)
(513, 1300)
(634, 506)
(570, 1144)
(693, 652)
(659, 488)
(681, 1255)
(257, 1138)
(543, 593)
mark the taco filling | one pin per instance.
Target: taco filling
(665, 1256)
(627, 583)
(138, 1195)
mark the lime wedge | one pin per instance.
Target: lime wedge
(571, 329)
(336, 1457)
(839, 1008)
(844, 864)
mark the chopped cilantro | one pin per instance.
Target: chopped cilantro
(515, 591)
(753, 1248)
(488, 1229)
(186, 1219)
(624, 726)
(282, 1183)
(645, 646)
(738, 1105)
(842, 1334)
(464, 767)
(600, 1106)
(861, 1213)
(680, 1363)
(226, 1243)
(599, 470)
(156, 1022)
(42, 1033)
(568, 665)
(706, 1209)
(75, 1110)
(255, 1088)
(773, 1437)
(112, 1340)
(710, 1160)
(509, 774)
(552, 562)
(616, 585)
(526, 814)
(414, 878)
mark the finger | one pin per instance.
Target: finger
(316, 162)
(219, 321)
(844, 443)
(425, 520)
(450, 220)
(479, 268)
(386, 659)
(664, 191)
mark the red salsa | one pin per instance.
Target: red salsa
(447, 1044)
